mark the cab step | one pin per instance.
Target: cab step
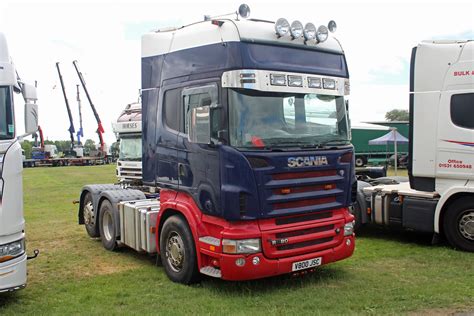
(211, 271)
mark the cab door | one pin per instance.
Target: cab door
(198, 155)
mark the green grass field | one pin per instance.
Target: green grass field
(390, 273)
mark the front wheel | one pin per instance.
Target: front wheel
(178, 252)
(108, 234)
(458, 224)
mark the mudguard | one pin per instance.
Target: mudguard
(115, 197)
(95, 190)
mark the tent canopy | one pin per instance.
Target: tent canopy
(389, 138)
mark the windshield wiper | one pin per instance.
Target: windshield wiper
(334, 142)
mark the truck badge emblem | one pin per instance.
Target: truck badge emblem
(294, 162)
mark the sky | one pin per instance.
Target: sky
(104, 36)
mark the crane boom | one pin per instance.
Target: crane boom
(100, 129)
(71, 126)
(79, 133)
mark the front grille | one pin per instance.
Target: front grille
(302, 218)
(303, 191)
(304, 231)
(302, 234)
(305, 243)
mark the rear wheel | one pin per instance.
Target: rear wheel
(360, 162)
(178, 252)
(88, 215)
(108, 234)
(458, 224)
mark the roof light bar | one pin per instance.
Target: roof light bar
(309, 31)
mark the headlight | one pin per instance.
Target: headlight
(332, 26)
(282, 27)
(12, 250)
(296, 29)
(349, 229)
(241, 246)
(309, 32)
(322, 34)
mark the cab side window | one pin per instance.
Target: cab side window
(171, 106)
(462, 107)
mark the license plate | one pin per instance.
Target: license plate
(306, 264)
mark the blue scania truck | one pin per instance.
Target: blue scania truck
(248, 170)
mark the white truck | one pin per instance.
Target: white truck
(128, 130)
(12, 223)
(439, 197)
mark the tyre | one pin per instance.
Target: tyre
(356, 211)
(88, 215)
(178, 252)
(458, 224)
(108, 234)
(360, 161)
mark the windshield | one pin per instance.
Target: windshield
(131, 148)
(7, 129)
(258, 119)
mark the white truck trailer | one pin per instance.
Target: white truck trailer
(439, 197)
(12, 223)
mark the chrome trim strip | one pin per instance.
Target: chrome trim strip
(260, 80)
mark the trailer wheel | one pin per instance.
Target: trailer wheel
(360, 161)
(458, 224)
(107, 226)
(88, 215)
(178, 252)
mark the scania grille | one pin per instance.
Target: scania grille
(302, 234)
(303, 191)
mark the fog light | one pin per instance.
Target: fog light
(240, 262)
(295, 81)
(322, 34)
(348, 242)
(256, 261)
(329, 83)
(314, 82)
(277, 80)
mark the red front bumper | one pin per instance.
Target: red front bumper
(271, 267)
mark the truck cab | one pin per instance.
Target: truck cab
(128, 130)
(245, 138)
(439, 197)
(12, 223)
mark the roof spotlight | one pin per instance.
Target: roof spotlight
(309, 32)
(332, 26)
(282, 27)
(322, 34)
(244, 11)
(296, 29)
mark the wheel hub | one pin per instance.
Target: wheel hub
(466, 225)
(108, 226)
(88, 213)
(175, 251)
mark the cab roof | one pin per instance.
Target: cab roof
(198, 34)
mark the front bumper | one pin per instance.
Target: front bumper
(272, 267)
(13, 274)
